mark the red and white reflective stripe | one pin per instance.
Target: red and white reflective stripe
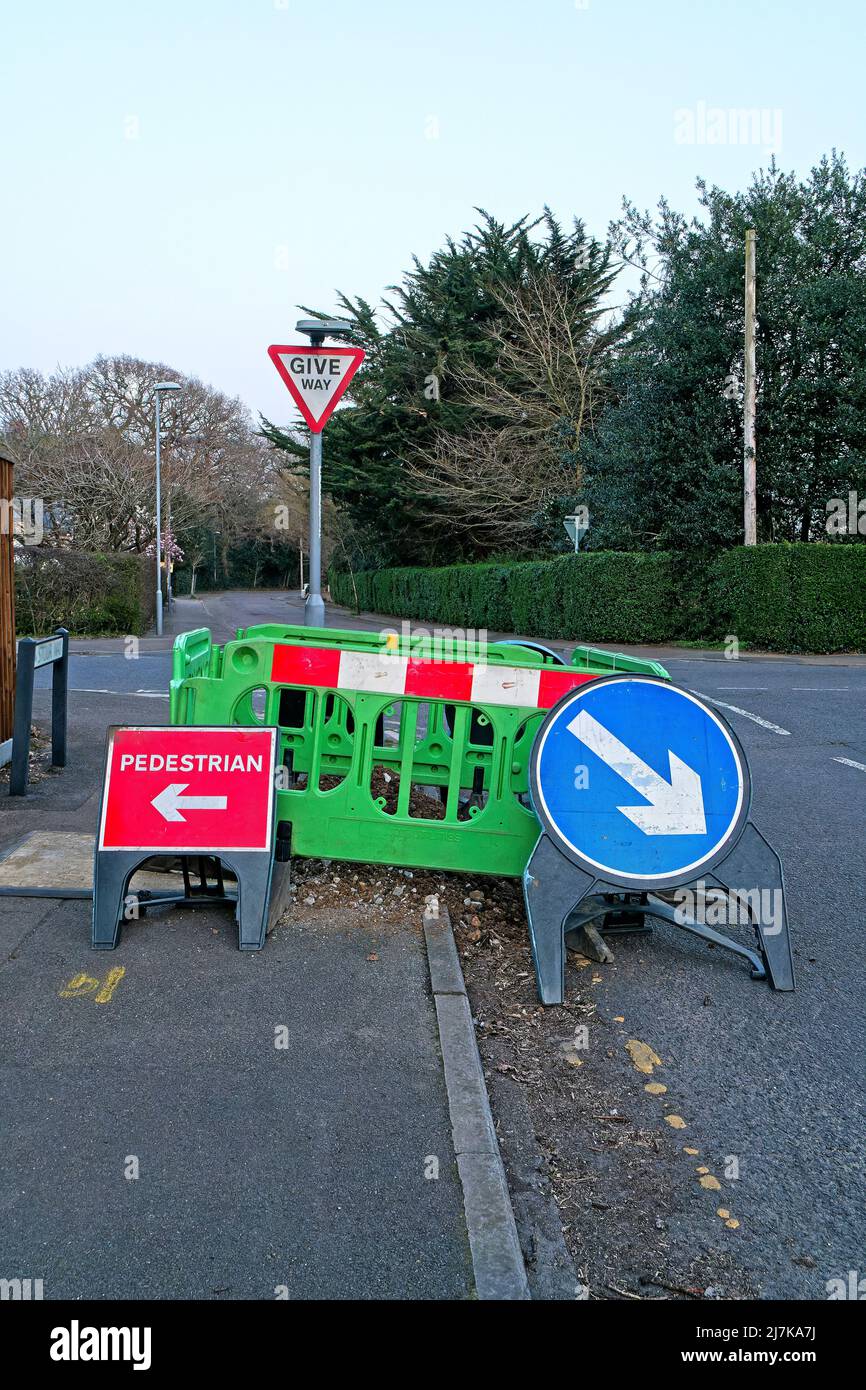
(532, 687)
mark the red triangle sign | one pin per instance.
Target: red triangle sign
(316, 377)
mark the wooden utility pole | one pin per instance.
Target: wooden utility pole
(750, 525)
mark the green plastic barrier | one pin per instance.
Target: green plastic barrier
(427, 775)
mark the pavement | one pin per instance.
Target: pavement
(185, 1120)
(772, 1081)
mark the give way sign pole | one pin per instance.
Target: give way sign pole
(316, 377)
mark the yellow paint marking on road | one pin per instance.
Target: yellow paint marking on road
(78, 985)
(710, 1183)
(643, 1056)
(655, 1088)
(675, 1121)
(110, 983)
(102, 990)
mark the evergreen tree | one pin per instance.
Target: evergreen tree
(665, 466)
(411, 390)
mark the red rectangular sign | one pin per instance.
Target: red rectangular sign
(188, 790)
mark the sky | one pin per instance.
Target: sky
(179, 175)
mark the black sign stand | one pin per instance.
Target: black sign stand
(554, 888)
(34, 652)
(261, 897)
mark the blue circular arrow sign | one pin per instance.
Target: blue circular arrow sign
(638, 782)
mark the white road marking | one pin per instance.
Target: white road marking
(821, 689)
(91, 690)
(763, 688)
(756, 718)
(849, 762)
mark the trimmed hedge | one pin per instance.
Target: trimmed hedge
(795, 598)
(802, 597)
(93, 595)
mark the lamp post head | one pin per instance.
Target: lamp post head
(168, 386)
(317, 330)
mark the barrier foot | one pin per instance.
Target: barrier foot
(111, 876)
(753, 866)
(553, 889)
(669, 914)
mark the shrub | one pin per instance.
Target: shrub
(800, 597)
(90, 594)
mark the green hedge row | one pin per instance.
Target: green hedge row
(804, 597)
(93, 595)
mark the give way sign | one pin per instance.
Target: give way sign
(188, 790)
(316, 377)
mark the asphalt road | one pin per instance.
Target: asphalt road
(771, 1086)
(772, 1081)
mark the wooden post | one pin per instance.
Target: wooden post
(750, 525)
(7, 600)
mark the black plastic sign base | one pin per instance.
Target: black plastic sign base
(554, 888)
(261, 895)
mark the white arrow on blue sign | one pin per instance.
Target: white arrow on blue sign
(638, 781)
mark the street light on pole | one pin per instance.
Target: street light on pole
(314, 608)
(157, 391)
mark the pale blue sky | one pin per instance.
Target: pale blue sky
(179, 174)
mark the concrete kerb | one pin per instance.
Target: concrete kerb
(496, 1256)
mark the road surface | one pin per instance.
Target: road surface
(771, 1084)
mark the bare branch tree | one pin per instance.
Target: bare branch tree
(532, 405)
(84, 441)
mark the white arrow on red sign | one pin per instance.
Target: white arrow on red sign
(170, 803)
(317, 377)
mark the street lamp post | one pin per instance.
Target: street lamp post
(314, 608)
(169, 593)
(157, 391)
